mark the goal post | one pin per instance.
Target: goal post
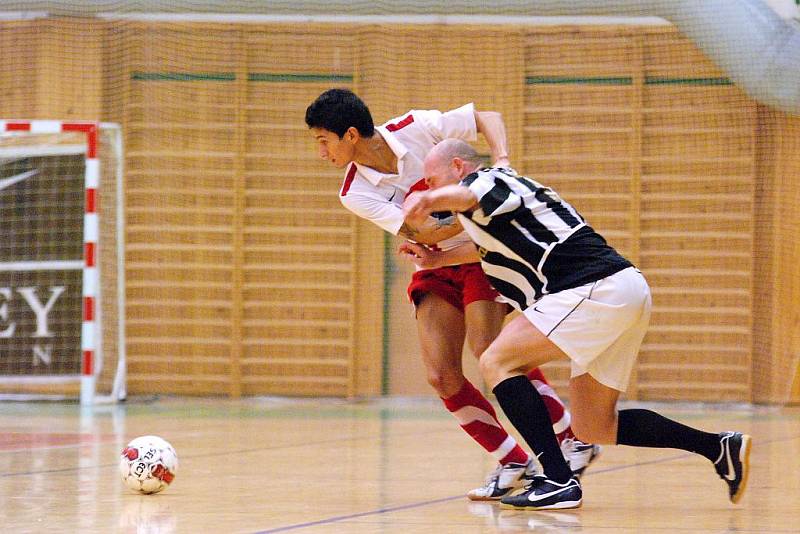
(61, 261)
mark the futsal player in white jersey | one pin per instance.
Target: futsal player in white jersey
(579, 299)
(382, 166)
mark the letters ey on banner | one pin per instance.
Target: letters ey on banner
(42, 199)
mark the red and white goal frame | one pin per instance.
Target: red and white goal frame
(90, 337)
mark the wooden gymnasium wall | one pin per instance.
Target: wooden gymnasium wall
(655, 146)
(246, 276)
(241, 262)
(180, 119)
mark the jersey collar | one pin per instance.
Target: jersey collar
(399, 149)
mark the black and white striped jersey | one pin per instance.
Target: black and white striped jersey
(532, 242)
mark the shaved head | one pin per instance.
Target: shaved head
(450, 161)
(448, 149)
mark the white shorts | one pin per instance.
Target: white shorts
(600, 326)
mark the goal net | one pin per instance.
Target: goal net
(670, 126)
(60, 272)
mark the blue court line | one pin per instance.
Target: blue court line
(360, 514)
(420, 504)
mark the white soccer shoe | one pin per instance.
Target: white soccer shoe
(579, 454)
(502, 481)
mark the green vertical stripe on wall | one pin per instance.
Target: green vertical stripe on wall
(576, 80)
(286, 77)
(623, 80)
(273, 77)
(663, 80)
(183, 76)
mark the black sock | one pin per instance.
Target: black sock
(643, 428)
(525, 409)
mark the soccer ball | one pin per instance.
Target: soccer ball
(148, 464)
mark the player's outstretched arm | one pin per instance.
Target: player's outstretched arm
(491, 125)
(418, 206)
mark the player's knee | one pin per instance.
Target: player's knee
(436, 380)
(446, 383)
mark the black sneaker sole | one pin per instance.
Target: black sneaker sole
(744, 458)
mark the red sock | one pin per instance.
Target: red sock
(559, 414)
(479, 420)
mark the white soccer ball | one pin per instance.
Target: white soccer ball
(148, 464)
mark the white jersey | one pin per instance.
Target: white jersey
(379, 197)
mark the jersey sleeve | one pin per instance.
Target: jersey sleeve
(495, 196)
(457, 123)
(375, 208)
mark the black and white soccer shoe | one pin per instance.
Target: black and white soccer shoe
(545, 494)
(733, 464)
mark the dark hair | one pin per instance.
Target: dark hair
(336, 110)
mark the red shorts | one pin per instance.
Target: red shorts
(457, 284)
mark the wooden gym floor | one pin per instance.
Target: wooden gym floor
(385, 466)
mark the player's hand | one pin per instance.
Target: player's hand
(416, 208)
(419, 255)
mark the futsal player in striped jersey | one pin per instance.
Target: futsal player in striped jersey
(579, 299)
(453, 302)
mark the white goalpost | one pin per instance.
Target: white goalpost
(62, 271)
